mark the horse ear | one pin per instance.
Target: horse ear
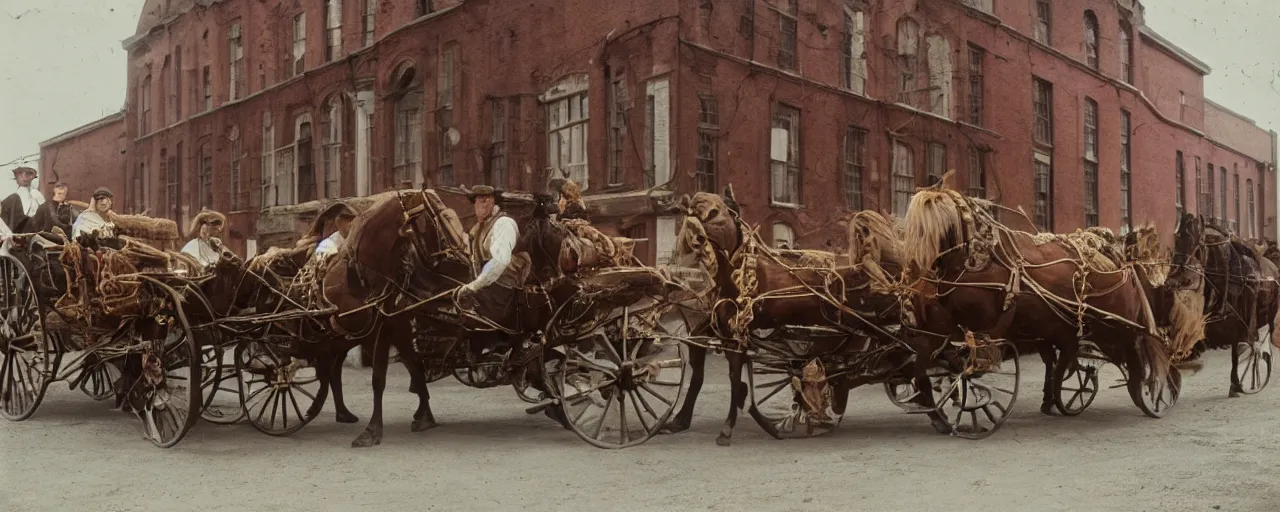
(730, 201)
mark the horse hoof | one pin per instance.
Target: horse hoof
(346, 417)
(366, 440)
(557, 414)
(722, 440)
(1234, 394)
(941, 427)
(673, 428)
(423, 425)
(1047, 409)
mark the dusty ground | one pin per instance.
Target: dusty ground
(1211, 453)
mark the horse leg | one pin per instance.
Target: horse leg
(1067, 359)
(324, 374)
(341, 413)
(737, 399)
(698, 365)
(924, 394)
(372, 434)
(1049, 358)
(423, 418)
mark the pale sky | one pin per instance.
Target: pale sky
(62, 65)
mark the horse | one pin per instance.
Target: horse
(1239, 288)
(761, 289)
(1023, 287)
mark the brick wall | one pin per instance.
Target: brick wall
(86, 158)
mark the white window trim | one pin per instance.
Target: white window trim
(568, 87)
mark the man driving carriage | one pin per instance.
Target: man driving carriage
(500, 272)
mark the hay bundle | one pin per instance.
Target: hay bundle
(1186, 321)
(587, 247)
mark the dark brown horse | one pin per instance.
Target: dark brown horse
(1240, 292)
(1018, 286)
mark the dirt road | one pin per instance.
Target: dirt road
(1211, 453)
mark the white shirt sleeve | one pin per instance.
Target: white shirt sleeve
(502, 242)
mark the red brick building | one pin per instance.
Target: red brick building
(1073, 110)
(86, 158)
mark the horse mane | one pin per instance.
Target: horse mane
(873, 237)
(936, 217)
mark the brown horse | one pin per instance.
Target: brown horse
(1014, 285)
(1240, 293)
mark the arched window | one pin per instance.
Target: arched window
(1091, 39)
(783, 236)
(332, 128)
(407, 128)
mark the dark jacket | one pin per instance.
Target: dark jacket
(51, 214)
(14, 216)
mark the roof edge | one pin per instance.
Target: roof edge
(1173, 49)
(1243, 117)
(83, 129)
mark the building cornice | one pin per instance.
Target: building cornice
(1173, 50)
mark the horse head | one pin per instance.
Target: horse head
(543, 238)
(939, 221)
(1188, 242)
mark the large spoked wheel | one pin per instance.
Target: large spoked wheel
(166, 396)
(99, 380)
(790, 394)
(1155, 399)
(978, 399)
(1079, 385)
(1253, 366)
(277, 392)
(28, 354)
(903, 392)
(221, 392)
(617, 390)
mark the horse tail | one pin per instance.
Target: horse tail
(932, 217)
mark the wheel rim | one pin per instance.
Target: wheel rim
(1253, 366)
(1079, 386)
(218, 383)
(1156, 399)
(99, 381)
(277, 392)
(786, 402)
(976, 401)
(617, 394)
(168, 391)
(27, 352)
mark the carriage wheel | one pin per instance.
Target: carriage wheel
(903, 392)
(221, 393)
(99, 381)
(1253, 366)
(1156, 399)
(1079, 385)
(167, 394)
(277, 391)
(980, 397)
(618, 391)
(28, 354)
(781, 403)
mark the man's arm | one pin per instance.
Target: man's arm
(501, 243)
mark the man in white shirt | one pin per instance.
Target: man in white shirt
(204, 246)
(342, 216)
(18, 209)
(97, 216)
(499, 272)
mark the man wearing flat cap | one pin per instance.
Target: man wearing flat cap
(97, 216)
(18, 209)
(499, 272)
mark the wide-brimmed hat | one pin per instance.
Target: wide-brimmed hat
(338, 210)
(102, 192)
(22, 169)
(205, 216)
(482, 190)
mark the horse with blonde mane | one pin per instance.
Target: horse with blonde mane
(1026, 287)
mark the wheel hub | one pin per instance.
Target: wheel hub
(627, 376)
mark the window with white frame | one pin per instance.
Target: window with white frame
(787, 56)
(1043, 24)
(854, 61)
(1091, 39)
(332, 30)
(407, 131)
(239, 192)
(908, 63)
(298, 55)
(331, 159)
(904, 177)
(144, 111)
(783, 236)
(567, 117)
(1126, 155)
(235, 70)
(976, 56)
(1090, 162)
(1250, 222)
(1180, 176)
(708, 134)
(1126, 52)
(1235, 188)
(657, 132)
(1043, 173)
(367, 17)
(784, 155)
(619, 102)
(855, 163)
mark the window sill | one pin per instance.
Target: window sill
(793, 206)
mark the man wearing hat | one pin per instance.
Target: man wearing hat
(499, 272)
(56, 213)
(342, 216)
(204, 246)
(17, 209)
(96, 217)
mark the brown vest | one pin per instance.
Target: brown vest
(481, 234)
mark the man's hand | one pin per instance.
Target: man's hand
(465, 297)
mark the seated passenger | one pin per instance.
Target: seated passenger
(342, 216)
(204, 246)
(97, 216)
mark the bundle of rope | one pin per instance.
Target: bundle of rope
(587, 247)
